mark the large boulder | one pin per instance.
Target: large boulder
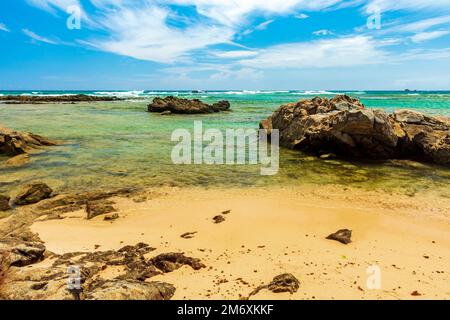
(186, 106)
(33, 193)
(345, 127)
(13, 143)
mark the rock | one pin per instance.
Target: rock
(130, 290)
(94, 209)
(4, 203)
(185, 106)
(188, 235)
(17, 161)
(33, 193)
(22, 255)
(54, 99)
(111, 217)
(344, 127)
(283, 283)
(166, 113)
(219, 219)
(168, 262)
(13, 143)
(343, 236)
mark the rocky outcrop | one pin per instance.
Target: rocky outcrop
(186, 106)
(11, 99)
(130, 290)
(33, 193)
(343, 126)
(169, 262)
(282, 283)
(13, 143)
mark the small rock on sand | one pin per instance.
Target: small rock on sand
(33, 193)
(94, 209)
(111, 217)
(188, 235)
(219, 219)
(343, 236)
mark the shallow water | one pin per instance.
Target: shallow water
(117, 144)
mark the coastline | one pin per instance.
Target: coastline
(273, 231)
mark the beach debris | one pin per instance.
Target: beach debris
(416, 294)
(33, 193)
(343, 236)
(4, 202)
(168, 262)
(282, 283)
(343, 126)
(218, 219)
(111, 217)
(186, 106)
(188, 235)
(226, 212)
(94, 209)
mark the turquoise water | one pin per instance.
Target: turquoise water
(117, 144)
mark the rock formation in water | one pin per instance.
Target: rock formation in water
(186, 106)
(343, 126)
(13, 143)
(11, 99)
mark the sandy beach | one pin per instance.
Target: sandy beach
(274, 231)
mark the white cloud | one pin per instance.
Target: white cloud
(3, 27)
(411, 5)
(322, 32)
(358, 50)
(235, 54)
(424, 24)
(425, 36)
(37, 37)
(302, 16)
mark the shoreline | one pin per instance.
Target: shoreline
(269, 232)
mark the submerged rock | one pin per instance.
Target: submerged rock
(13, 143)
(185, 106)
(4, 202)
(343, 126)
(343, 236)
(33, 193)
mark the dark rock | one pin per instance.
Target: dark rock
(94, 209)
(4, 203)
(22, 255)
(13, 143)
(186, 106)
(188, 235)
(283, 283)
(33, 193)
(111, 217)
(343, 236)
(168, 262)
(219, 219)
(54, 99)
(344, 127)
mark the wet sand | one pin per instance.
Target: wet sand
(273, 231)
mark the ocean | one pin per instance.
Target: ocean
(120, 144)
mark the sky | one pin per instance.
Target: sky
(224, 44)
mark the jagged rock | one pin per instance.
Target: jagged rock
(4, 203)
(186, 106)
(33, 193)
(344, 127)
(343, 236)
(94, 209)
(21, 255)
(14, 143)
(168, 262)
(283, 283)
(130, 290)
(54, 99)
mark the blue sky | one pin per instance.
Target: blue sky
(225, 44)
